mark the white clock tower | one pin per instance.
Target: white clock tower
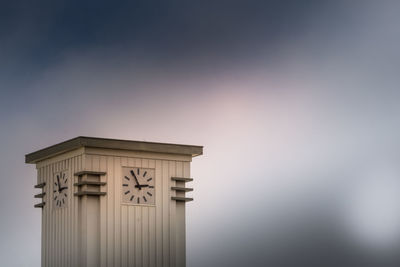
(108, 202)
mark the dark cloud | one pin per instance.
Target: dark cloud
(38, 33)
(204, 35)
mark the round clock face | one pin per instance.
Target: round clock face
(60, 189)
(138, 186)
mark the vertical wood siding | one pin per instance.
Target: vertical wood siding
(59, 225)
(130, 235)
(138, 235)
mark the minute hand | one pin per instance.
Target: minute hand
(134, 176)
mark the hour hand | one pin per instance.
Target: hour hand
(142, 185)
(62, 188)
(58, 183)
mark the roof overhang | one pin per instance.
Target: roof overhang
(95, 142)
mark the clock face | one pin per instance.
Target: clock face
(138, 186)
(60, 189)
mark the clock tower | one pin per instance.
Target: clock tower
(108, 202)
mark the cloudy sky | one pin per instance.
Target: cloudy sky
(295, 103)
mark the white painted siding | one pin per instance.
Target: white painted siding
(139, 235)
(59, 225)
(129, 235)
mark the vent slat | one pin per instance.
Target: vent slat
(41, 185)
(40, 205)
(182, 179)
(89, 193)
(184, 189)
(183, 199)
(80, 173)
(89, 183)
(40, 195)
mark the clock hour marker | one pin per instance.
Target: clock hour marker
(55, 198)
(54, 191)
(65, 195)
(63, 201)
(136, 186)
(55, 184)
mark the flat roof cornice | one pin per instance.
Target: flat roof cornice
(84, 141)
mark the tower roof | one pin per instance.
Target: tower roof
(95, 142)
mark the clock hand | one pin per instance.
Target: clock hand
(138, 185)
(62, 188)
(58, 180)
(142, 185)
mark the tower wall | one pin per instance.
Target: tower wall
(60, 239)
(101, 231)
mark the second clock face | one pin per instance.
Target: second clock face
(60, 189)
(138, 186)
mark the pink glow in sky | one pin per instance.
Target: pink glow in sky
(296, 107)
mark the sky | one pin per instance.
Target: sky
(295, 103)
